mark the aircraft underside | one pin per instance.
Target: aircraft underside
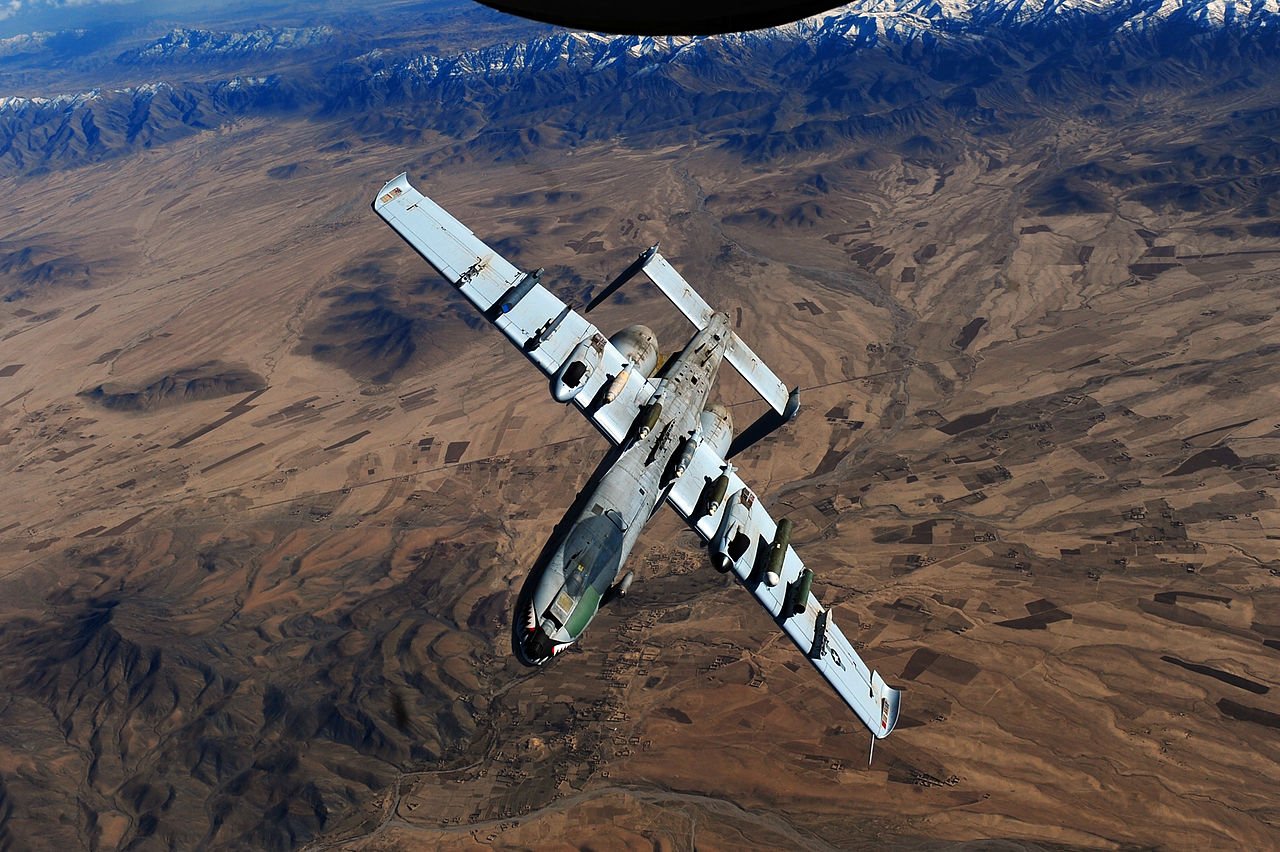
(667, 446)
(587, 559)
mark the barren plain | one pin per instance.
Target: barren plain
(272, 491)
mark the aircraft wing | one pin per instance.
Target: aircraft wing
(813, 629)
(533, 318)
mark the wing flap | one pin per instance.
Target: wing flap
(866, 693)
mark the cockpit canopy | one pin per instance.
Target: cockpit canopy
(592, 555)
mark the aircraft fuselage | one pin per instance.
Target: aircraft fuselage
(601, 528)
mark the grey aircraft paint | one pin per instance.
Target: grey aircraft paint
(589, 556)
(668, 445)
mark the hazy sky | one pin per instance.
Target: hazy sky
(71, 13)
(25, 16)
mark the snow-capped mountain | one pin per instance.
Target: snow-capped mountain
(878, 67)
(949, 15)
(183, 44)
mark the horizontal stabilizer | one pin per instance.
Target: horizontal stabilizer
(679, 291)
(698, 312)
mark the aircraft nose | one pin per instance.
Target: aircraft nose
(538, 646)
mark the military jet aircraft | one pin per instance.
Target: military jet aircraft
(667, 443)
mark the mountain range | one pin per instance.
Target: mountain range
(871, 69)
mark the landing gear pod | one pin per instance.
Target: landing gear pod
(573, 374)
(778, 553)
(735, 543)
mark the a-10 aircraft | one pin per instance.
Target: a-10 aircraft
(667, 443)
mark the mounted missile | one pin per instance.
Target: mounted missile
(647, 419)
(716, 491)
(797, 599)
(778, 552)
(548, 328)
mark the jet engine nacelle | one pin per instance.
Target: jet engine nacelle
(573, 374)
(639, 345)
(717, 428)
(735, 541)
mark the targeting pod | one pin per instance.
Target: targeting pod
(625, 585)
(778, 553)
(515, 293)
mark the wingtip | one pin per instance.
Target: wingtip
(391, 190)
(792, 407)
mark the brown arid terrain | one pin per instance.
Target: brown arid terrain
(273, 491)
